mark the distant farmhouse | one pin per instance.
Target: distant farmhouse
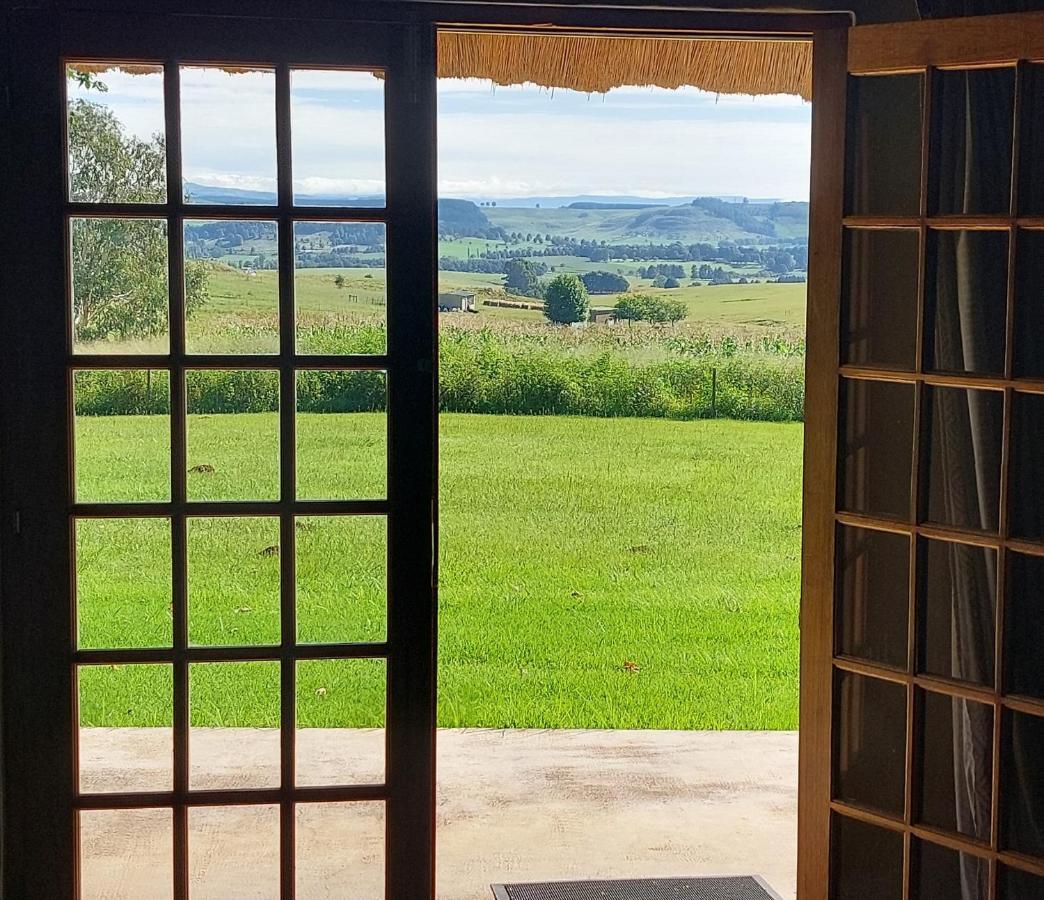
(602, 315)
(457, 301)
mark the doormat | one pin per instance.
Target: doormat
(742, 887)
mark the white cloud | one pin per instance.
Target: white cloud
(493, 141)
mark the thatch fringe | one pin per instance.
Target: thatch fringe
(597, 64)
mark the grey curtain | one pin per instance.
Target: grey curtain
(965, 424)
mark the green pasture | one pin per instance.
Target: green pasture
(594, 573)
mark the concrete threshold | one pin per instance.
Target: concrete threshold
(513, 805)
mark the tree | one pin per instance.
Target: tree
(339, 280)
(650, 308)
(521, 277)
(604, 283)
(119, 265)
(671, 282)
(565, 300)
(660, 281)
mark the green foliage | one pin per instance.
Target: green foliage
(339, 280)
(485, 372)
(137, 392)
(650, 308)
(521, 277)
(671, 282)
(565, 300)
(120, 265)
(604, 282)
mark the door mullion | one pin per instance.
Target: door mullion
(412, 396)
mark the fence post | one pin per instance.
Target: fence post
(714, 393)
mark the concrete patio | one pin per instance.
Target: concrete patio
(513, 806)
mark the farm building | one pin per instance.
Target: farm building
(918, 773)
(601, 315)
(457, 301)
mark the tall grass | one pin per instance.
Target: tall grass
(519, 371)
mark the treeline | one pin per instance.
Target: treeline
(777, 259)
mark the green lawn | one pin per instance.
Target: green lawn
(597, 573)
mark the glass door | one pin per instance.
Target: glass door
(237, 362)
(923, 682)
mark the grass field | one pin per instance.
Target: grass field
(594, 572)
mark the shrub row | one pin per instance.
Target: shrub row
(483, 373)
(537, 381)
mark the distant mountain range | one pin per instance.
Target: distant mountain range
(207, 194)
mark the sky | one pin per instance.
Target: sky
(494, 142)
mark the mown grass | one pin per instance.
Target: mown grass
(594, 573)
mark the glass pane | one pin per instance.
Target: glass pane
(122, 435)
(1029, 302)
(943, 874)
(126, 854)
(962, 456)
(337, 128)
(1031, 157)
(340, 844)
(876, 447)
(123, 583)
(870, 743)
(955, 758)
(126, 722)
(233, 580)
(340, 293)
(120, 302)
(873, 595)
(233, 852)
(116, 128)
(340, 721)
(228, 135)
(884, 145)
(342, 435)
(1024, 625)
(971, 141)
(957, 586)
(342, 579)
(1022, 784)
(1027, 462)
(234, 719)
(879, 309)
(1018, 885)
(866, 861)
(231, 287)
(966, 291)
(232, 434)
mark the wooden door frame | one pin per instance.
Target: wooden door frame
(891, 49)
(32, 441)
(41, 793)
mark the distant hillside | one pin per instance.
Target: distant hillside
(700, 220)
(615, 220)
(462, 218)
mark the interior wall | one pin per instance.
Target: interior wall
(865, 11)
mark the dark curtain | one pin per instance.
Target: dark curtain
(969, 467)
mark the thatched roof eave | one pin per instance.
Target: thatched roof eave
(596, 64)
